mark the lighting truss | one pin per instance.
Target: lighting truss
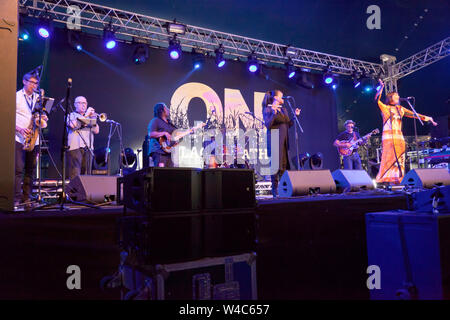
(137, 26)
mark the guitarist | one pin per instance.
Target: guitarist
(160, 126)
(344, 139)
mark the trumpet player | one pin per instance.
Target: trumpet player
(80, 138)
(25, 151)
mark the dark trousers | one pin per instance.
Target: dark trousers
(276, 177)
(352, 162)
(78, 162)
(164, 158)
(25, 164)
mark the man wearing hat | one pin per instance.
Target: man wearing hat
(344, 139)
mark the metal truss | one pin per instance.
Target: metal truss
(132, 26)
(423, 58)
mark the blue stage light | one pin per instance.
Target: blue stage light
(357, 84)
(334, 86)
(328, 79)
(290, 69)
(252, 63)
(43, 32)
(111, 44)
(220, 60)
(196, 65)
(174, 48)
(378, 88)
(79, 47)
(367, 88)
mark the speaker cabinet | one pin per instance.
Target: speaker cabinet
(299, 183)
(92, 188)
(427, 178)
(352, 179)
(158, 189)
(228, 188)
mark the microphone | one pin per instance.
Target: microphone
(406, 99)
(37, 70)
(111, 121)
(69, 82)
(287, 97)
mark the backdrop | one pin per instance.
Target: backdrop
(127, 92)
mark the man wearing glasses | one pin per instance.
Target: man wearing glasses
(80, 138)
(344, 139)
(25, 161)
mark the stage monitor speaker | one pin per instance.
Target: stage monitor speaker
(92, 188)
(304, 182)
(427, 178)
(352, 180)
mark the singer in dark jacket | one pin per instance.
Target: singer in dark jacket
(277, 117)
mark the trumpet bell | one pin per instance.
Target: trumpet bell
(102, 117)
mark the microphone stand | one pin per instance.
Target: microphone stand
(296, 132)
(415, 129)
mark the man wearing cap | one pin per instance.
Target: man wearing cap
(344, 139)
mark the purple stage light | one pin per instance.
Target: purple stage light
(43, 32)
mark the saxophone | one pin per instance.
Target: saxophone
(30, 139)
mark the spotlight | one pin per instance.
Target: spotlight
(316, 161)
(220, 60)
(108, 37)
(328, 76)
(290, 69)
(24, 35)
(334, 86)
(303, 158)
(140, 54)
(357, 77)
(198, 58)
(368, 85)
(174, 48)
(44, 28)
(252, 63)
(74, 39)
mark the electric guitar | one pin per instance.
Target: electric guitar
(346, 151)
(168, 146)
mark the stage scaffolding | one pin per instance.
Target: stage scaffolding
(133, 26)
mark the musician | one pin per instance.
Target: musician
(277, 117)
(80, 138)
(25, 161)
(344, 139)
(158, 127)
(392, 166)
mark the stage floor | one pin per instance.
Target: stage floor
(310, 247)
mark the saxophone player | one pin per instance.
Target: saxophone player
(80, 138)
(25, 154)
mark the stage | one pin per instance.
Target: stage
(311, 247)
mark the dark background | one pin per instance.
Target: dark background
(127, 92)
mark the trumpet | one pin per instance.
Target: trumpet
(102, 116)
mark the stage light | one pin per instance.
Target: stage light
(357, 78)
(316, 161)
(290, 52)
(140, 53)
(174, 48)
(198, 58)
(74, 39)
(303, 159)
(252, 63)
(290, 69)
(334, 86)
(175, 28)
(24, 35)
(220, 60)
(327, 75)
(108, 37)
